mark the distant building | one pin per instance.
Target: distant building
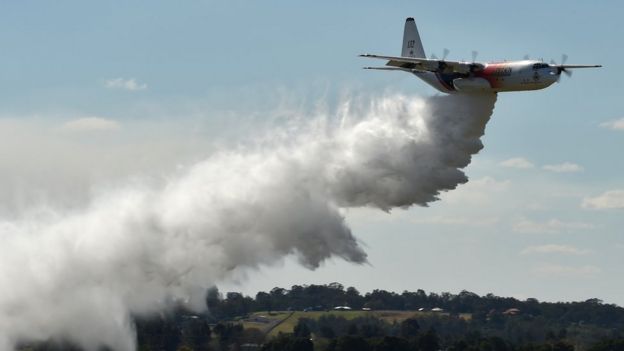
(342, 308)
(512, 312)
(259, 319)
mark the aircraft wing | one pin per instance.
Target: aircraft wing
(393, 69)
(578, 66)
(431, 65)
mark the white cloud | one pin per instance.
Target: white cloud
(552, 226)
(608, 200)
(567, 271)
(476, 192)
(463, 221)
(566, 167)
(125, 84)
(517, 162)
(617, 124)
(554, 249)
(90, 124)
(489, 183)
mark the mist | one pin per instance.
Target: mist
(79, 273)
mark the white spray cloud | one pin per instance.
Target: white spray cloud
(617, 124)
(130, 84)
(554, 249)
(517, 162)
(566, 167)
(82, 274)
(90, 124)
(611, 199)
(551, 226)
(557, 270)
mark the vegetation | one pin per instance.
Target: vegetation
(303, 318)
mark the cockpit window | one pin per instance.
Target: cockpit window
(540, 65)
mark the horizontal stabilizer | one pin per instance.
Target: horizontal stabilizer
(389, 69)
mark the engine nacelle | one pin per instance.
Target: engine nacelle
(462, 68)
(431, 65)
(472, 84)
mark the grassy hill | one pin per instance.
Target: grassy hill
(275, 322)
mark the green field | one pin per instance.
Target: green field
(265, 321)
(275, 322)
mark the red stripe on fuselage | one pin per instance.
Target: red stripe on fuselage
(494, 73)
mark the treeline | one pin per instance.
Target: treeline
(469, 322)
(325, 297)
(332, 332)
(372, 334)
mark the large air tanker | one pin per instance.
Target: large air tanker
(471, 77)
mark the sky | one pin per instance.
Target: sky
(95, 94)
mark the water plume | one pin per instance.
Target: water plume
(80, 275)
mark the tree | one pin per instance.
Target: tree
(158, 333)
(409, 328)
(609, 345)
(301, 330)
(352, 329)
(327, 332)
(288, 342)
(392, 343)
(196, 333)
(251, 336)
(213, 302)
(229, 333)
(562, 346)
(353, 298)
(263, 302)
(350, 343)
(429, 341)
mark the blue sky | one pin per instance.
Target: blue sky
(524, 225)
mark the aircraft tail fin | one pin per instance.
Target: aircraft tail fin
(412, 46)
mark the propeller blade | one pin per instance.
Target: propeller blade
(552, 62)
(445, 53)
(434, 57)
(567, 73)
(526, 57)
(564, 58)
(474, 55)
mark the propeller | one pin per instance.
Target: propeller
(526, 57)
(560, 69)
(474, 55)
(444, 54)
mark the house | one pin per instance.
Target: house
(342, 308)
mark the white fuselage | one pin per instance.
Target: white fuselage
(495, 77)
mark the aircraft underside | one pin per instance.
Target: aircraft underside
(475, 83)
